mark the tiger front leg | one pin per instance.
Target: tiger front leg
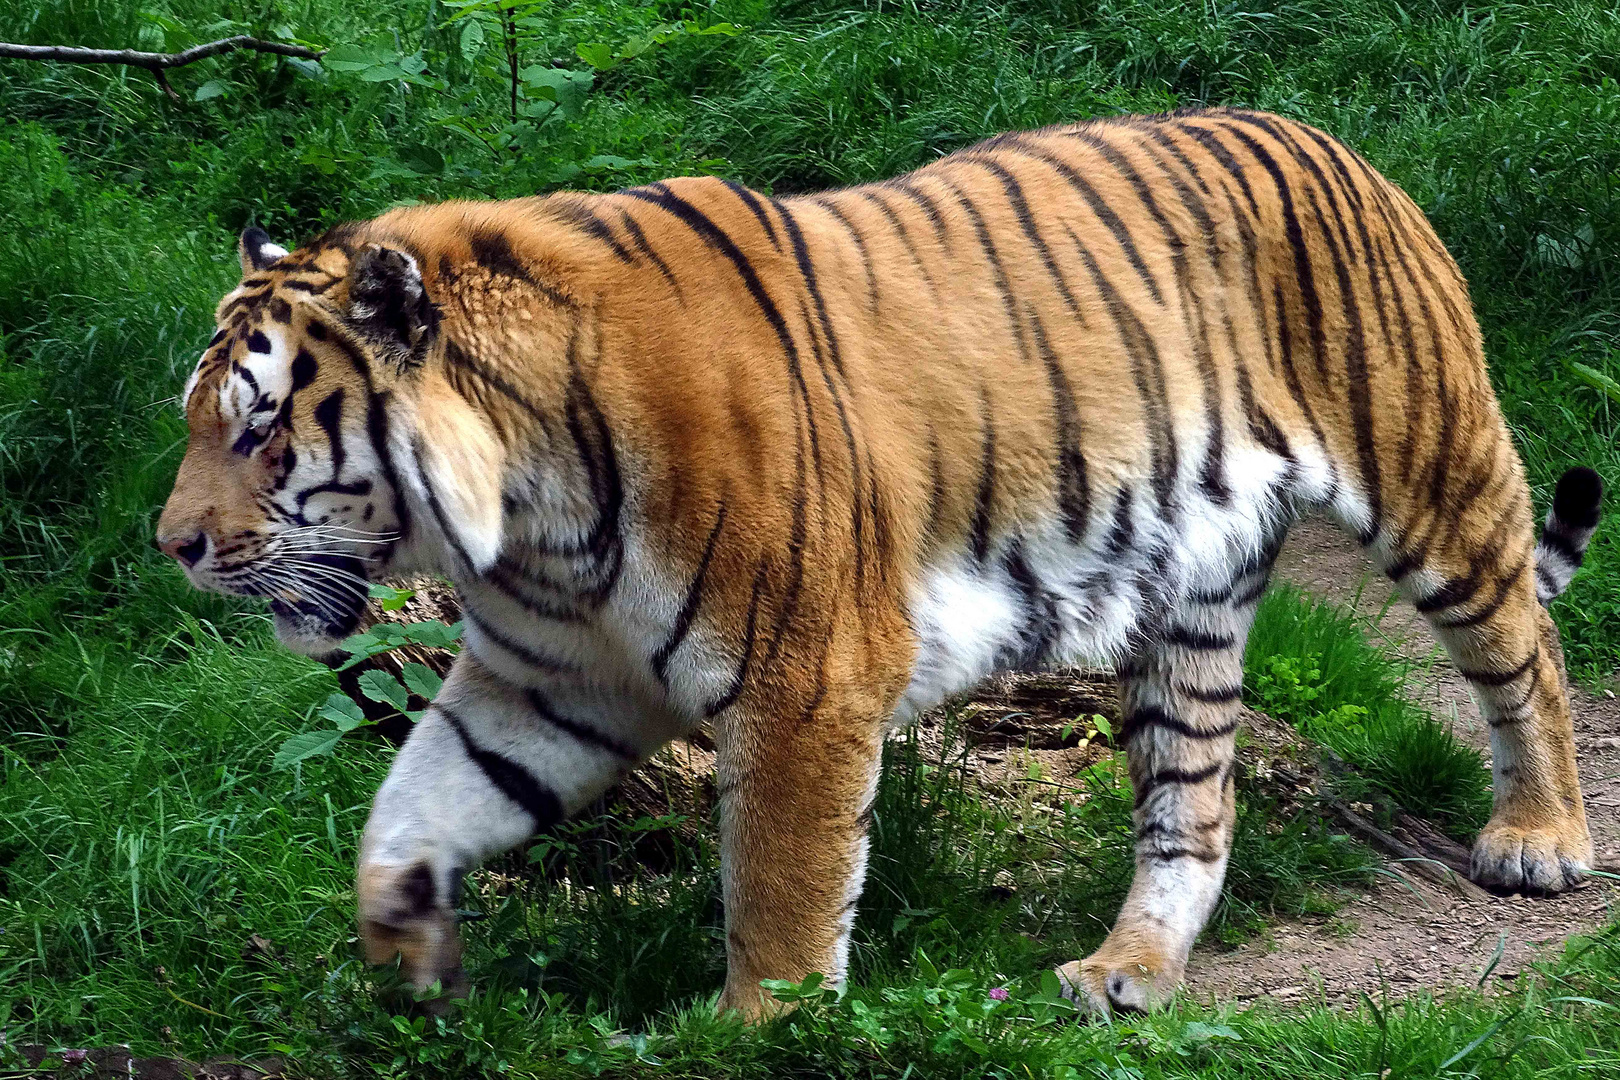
(795, 805)
(1179, 708)
(487, 767)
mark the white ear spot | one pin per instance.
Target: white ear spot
(272, 252)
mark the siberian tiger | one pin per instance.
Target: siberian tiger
(803, 467)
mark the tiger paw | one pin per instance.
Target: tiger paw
(1540, 860)
(1104, 985)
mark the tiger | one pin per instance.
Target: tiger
(803, 467)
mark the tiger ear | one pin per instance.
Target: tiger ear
(256, 250)
(389, 305)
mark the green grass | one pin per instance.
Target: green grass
(1310, 663)
(144, 836)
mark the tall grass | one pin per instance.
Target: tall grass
(1309, 663)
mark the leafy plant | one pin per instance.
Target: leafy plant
(415, 679)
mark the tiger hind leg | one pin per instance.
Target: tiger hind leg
(1484, 601)
(1180, 701)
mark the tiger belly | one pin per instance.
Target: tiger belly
(1039, 599)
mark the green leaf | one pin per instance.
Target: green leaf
(382, 73)
(567, 88)
(393, 599)
(350, 58)
(472, 39)
(1596, 379)
(427, 162)
(381, 686)
(1103, 726)
(343, 711)
(304, 746)
(422, 680)
(211, 89)
(610, 163)
(596, 54)
(1475, 1045)
(309, 69)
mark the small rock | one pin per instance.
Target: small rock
(1608, 742)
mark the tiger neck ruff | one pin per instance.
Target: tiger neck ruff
(804, 467)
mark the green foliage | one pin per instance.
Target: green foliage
(1311, 665)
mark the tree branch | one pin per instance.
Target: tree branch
(156, 63)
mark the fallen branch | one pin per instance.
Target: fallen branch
(1424, 851)
(156, 63)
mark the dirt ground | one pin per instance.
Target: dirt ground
(1406, 934)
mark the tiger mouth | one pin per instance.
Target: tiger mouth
(331, 591)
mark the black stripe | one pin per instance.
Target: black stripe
(492, 250)
(1522, 709)
(1504, 588)
(582, 218)
(1211, 695)
(936, 476)
(1026, 221)
(860, 246)
(1253, 592)
(1180, 777)
(987, 479)
(930, 208)
(1099, 206)
(694, 596)
(1172, 854)
(1152, 716)
(1042, 623)
(740, 676)
(1212, 477)
(1073, 482)
(1501, 678)
(1122, 534)
(438, 510)
(457, 359)
(799, 529)
(1198, 640)
(660, 196)
(377, 432)
(1009, 304)
(508, 777)
(512, 645)
(1357, 374)
(1555, 541)
(1304, 270)
(583, 732)
(639, 239)
(900, 230)
(1211, 597)
(501, 578)
(1452, 592)
(1147, 371)
(753, 202)
(593, 440)
(1217, 149)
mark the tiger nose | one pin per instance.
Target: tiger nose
(186, 551)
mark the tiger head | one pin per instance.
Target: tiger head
(288, 488)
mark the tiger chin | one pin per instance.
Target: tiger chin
(802, 468)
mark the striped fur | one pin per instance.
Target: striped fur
(804, 467)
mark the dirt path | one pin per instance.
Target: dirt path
(1407, 935)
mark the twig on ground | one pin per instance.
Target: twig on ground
(156, 63)
(1426, 852)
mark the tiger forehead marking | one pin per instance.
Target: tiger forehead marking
(801, 467)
